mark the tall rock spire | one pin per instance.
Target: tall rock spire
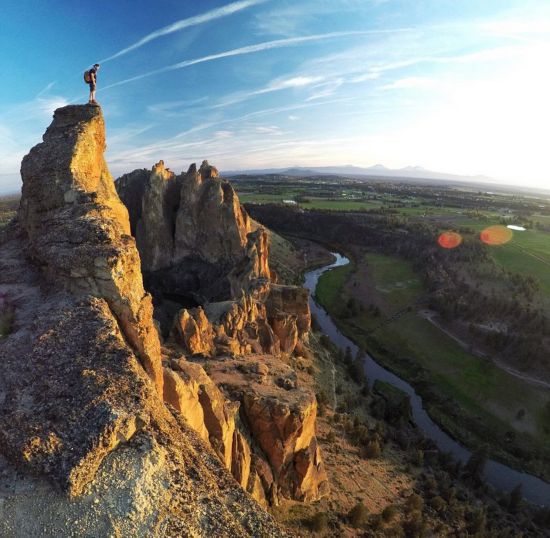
(79, 230)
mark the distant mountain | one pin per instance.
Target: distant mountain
(377, 170)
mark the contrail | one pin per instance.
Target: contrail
(223, 11)
(278, 43)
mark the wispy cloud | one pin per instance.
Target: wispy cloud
(177, 26)
(293, 82)
(250, 49)
(174, 108)
(294, 17)
(411, 82)
(46, 89)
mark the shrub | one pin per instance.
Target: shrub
(476, 464)
(7, 317)
(438, 504)
(414, 525)
(322, 398)
(389, 513)
(372, 450)
(418, 457)
(414, 503)
(477, 521)
(358, 515)
(319, 522)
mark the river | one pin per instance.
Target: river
(497, 474)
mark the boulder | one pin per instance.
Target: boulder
(193, 330)
(181, 391)
(293, 301)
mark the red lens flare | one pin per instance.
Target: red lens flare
(496, 235)
(449, 239)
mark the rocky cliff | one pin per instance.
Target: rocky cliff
(81, 379)
(195, 239)
(78, 230)
(203, 416)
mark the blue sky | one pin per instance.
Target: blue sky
(458, 86)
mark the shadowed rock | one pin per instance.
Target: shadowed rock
(194, 237)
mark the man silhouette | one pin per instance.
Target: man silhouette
(93, 80)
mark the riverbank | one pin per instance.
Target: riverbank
(504, 477)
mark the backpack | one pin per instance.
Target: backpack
(87, 77)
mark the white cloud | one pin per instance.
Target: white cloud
(177, 26)
(223, 134)
(411, 83)
(298, 81)
(171, 109)
(250, 49)
(269, 130)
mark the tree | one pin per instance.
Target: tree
(358, 515)
(516, 496)
(347, 357)
(479, 522)
(319, 522)
(389, 513)
(476, 464)
(414, 503)
(372, 450)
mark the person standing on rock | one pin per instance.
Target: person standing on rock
(92, 80)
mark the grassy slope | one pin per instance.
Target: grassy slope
(490, 396)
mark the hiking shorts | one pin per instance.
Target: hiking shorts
(92, 86)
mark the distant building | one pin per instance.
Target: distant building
(290, 202)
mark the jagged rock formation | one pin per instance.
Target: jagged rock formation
(81, 382)
(195, 239)
(192, 233)
(226, 328)
(270, 446)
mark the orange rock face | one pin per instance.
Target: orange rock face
(79, 230)
(279, 417)
(192, 228)
(195, 332)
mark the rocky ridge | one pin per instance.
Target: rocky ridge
(194, 237)
(85, 385)
(259, 323)
(81, 378)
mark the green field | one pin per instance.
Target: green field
(528, 253)
(449, 377)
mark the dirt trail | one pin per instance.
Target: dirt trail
(428, 315)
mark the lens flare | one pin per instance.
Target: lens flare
(496, 235)
(449, 239)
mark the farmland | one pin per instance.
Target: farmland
(468, 327)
